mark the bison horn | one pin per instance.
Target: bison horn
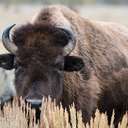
(8, 44)
(71, 42)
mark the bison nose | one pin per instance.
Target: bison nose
(35, 103)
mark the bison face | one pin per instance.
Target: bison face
(40, 55)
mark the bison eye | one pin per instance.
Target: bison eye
(59, 66)
(59, 63)
(17, 64)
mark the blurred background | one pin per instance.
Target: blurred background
(20, 11)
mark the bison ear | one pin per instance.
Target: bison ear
(73, 63)
(7, 61)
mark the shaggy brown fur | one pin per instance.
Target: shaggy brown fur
(103, 46)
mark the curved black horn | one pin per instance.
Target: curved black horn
(70, 45)
(11, 47)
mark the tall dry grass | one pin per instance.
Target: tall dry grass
(16, 116)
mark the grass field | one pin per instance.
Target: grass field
(17, 116)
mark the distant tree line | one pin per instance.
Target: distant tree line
(112, 1)
(70, 2)
(45, 1)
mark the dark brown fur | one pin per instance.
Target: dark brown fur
(103, 46)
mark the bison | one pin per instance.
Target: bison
(71, 59)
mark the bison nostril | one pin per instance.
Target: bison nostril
(35, 103)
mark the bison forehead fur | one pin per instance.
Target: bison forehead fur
(103, 48)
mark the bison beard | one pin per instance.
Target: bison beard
(72, 59)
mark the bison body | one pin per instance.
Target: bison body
(72, 59)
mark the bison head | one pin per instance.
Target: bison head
(40, 54)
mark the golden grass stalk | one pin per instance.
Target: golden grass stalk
(17, 115)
